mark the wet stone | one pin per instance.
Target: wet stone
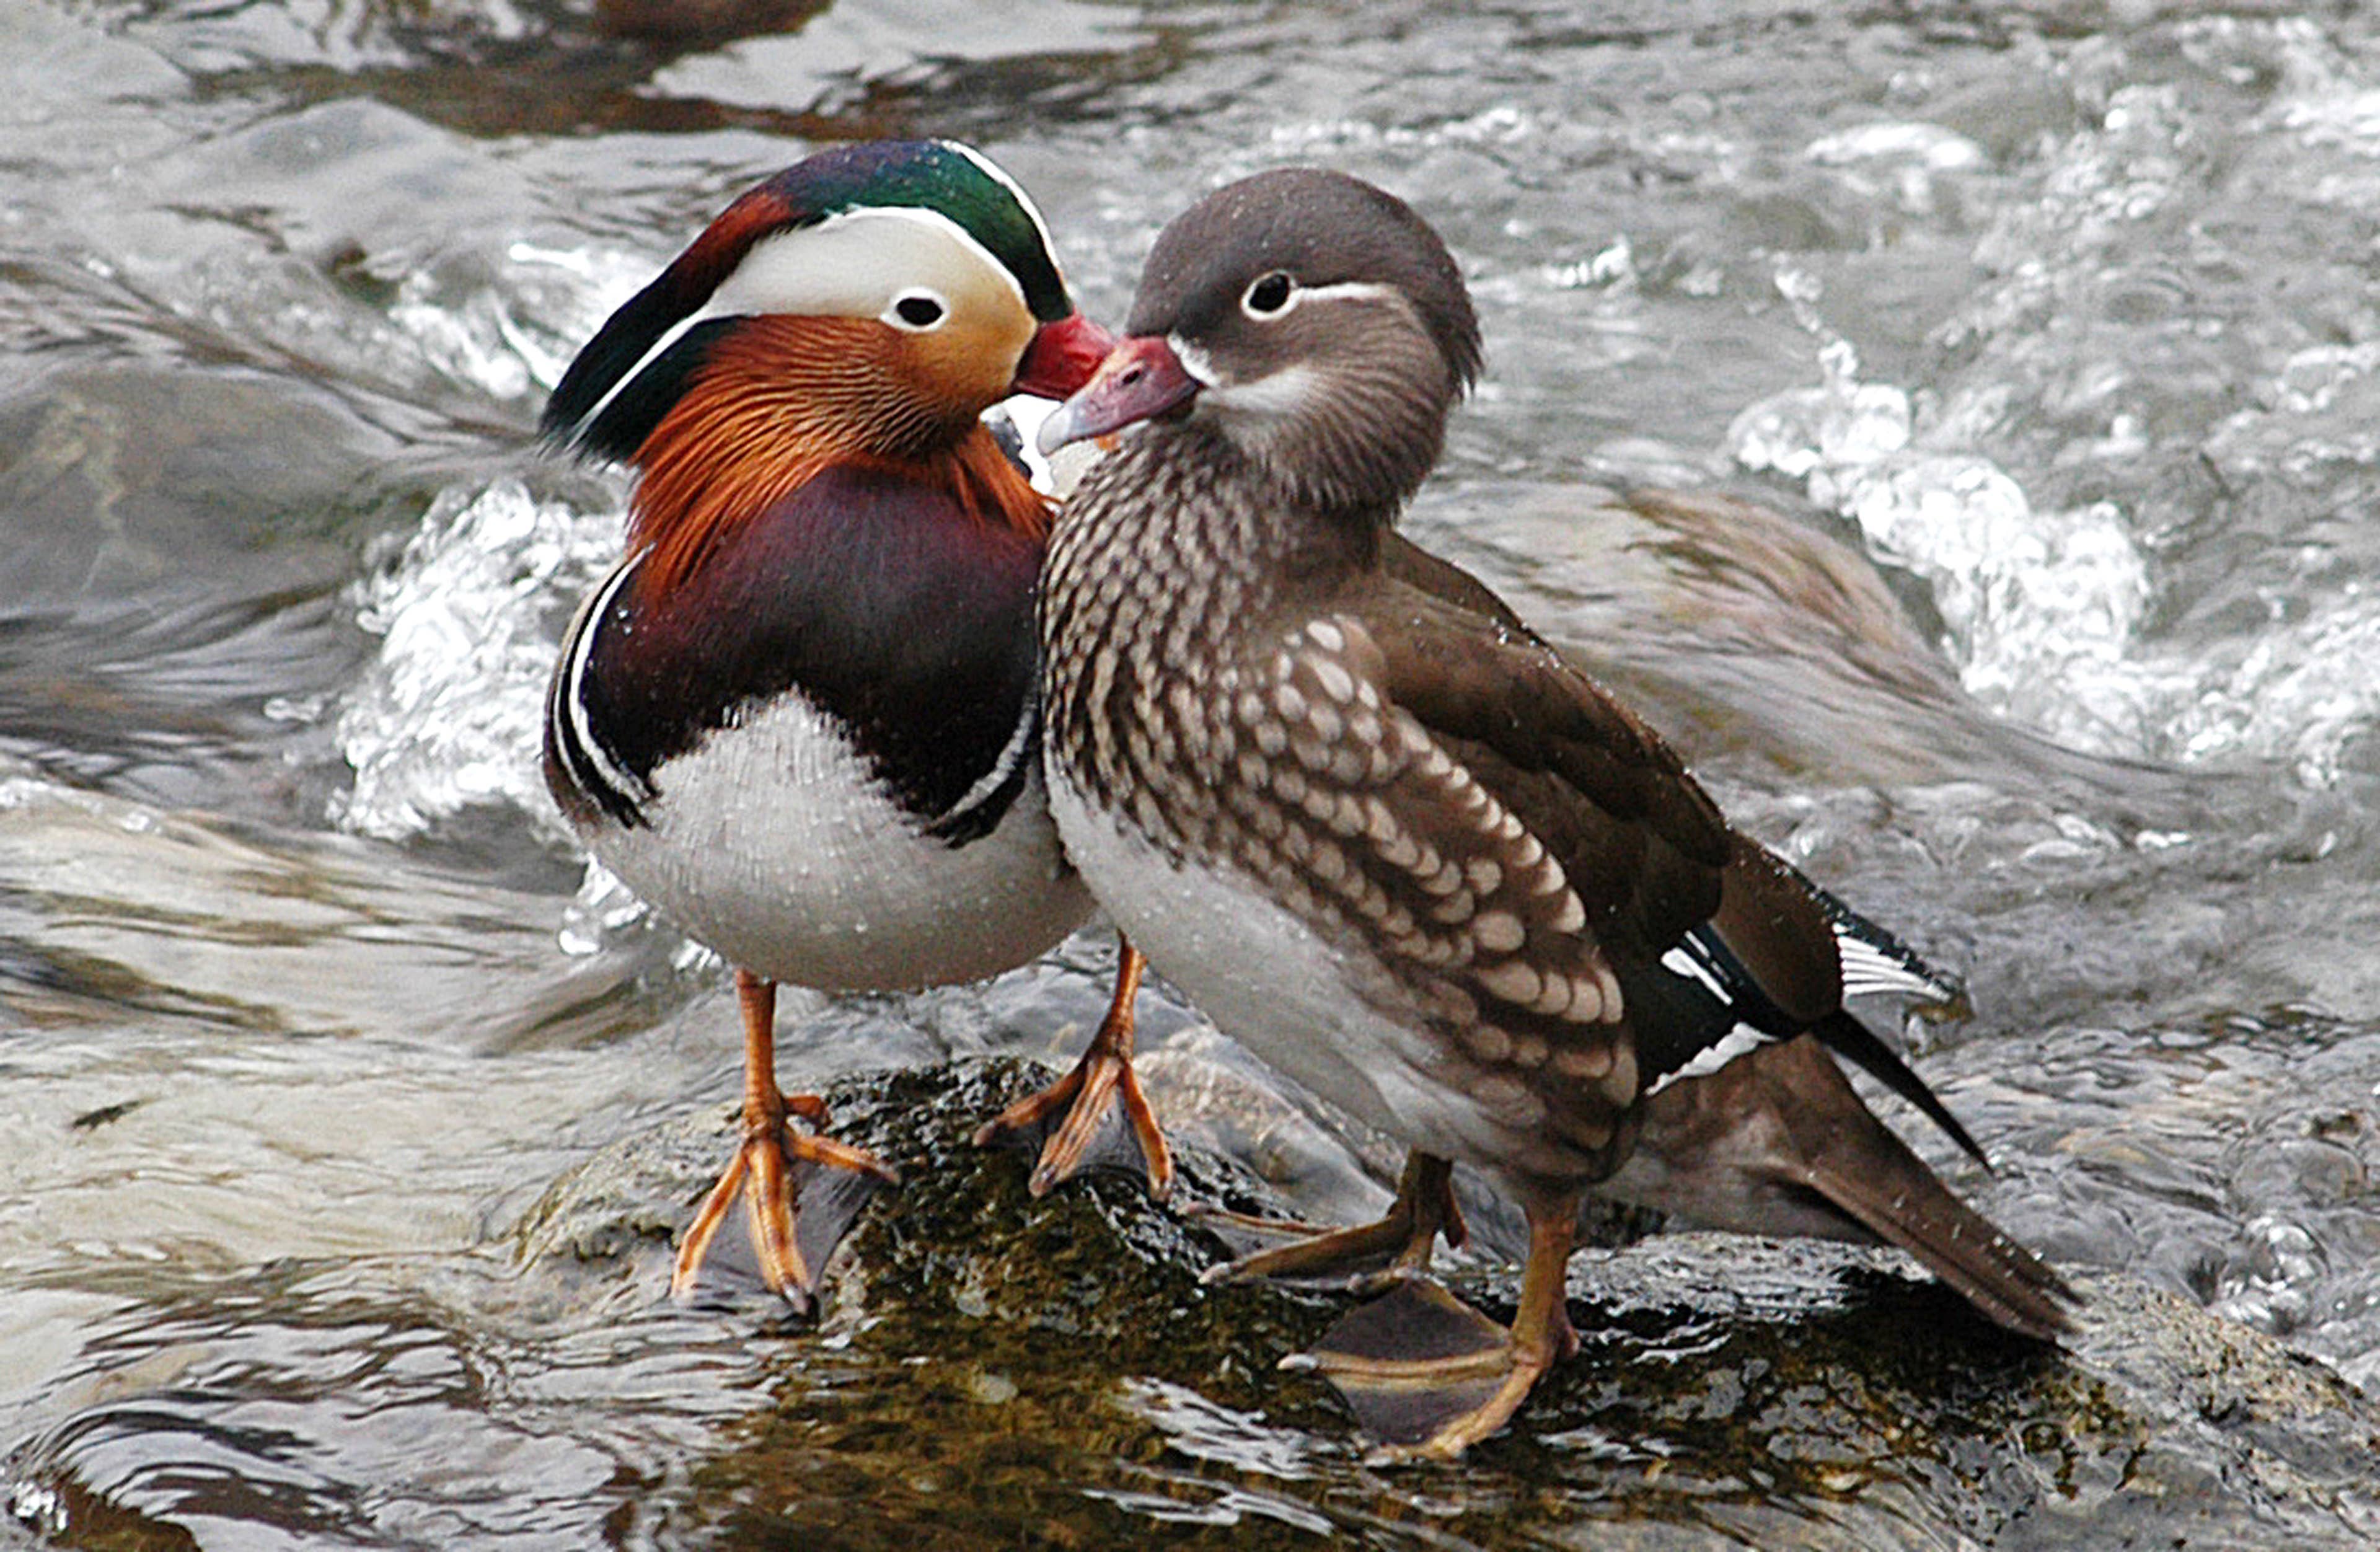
(990, 1370)
(960, 1253)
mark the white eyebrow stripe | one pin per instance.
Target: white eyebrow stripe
(1287, 388)
(1337, 291)
(757, 285)
(770, 262)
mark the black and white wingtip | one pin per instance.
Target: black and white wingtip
(1721, 1014)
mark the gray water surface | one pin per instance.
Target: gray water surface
(2062, 313)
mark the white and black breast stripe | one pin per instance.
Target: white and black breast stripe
(1873, 964)
(579, 749)
(981, 807)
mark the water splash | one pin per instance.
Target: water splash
(449, 716)
(2270, 1289)
(2033, 602)
(512, 334)
(2176, 370)
(2304, 694)
(602, 907)
(1907, 163)
(2046, 612)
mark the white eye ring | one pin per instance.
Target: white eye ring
(917, 310)
(1269, 295)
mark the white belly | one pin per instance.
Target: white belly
(1276, 987)
(774, 845)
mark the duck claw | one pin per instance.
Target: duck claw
(1430, 1376)
(801, 1194)
(776, 1167)
(1404, 1237)
(1103, 1077)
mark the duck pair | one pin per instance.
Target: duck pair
(1347, 802)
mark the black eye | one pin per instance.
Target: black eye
(919, 313)
(1268, 295)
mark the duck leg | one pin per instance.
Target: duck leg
(1406, 1234)
(1432, 1376)
(761, 1173)
(1104, 1075)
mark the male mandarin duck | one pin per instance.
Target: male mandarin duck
(799, 717)
(1404, 850)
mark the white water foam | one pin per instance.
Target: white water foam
(468, 613)
(514, 334)
(2036, 603)
(2049, 612)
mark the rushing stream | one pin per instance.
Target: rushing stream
(2063, 312)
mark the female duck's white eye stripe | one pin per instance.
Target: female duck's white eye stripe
(1282, 390)
(1276, 393)
(1268, 295)
(1344, 290)
(1275, 295)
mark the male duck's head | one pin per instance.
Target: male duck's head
(870, 302)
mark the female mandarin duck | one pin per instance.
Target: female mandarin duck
(799, 717)
(1404, 850)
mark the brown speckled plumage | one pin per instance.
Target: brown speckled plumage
(1228, 692)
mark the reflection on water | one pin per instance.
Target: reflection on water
(2060, 311)
(346, 1406)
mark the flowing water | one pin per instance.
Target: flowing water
(2063, 311)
